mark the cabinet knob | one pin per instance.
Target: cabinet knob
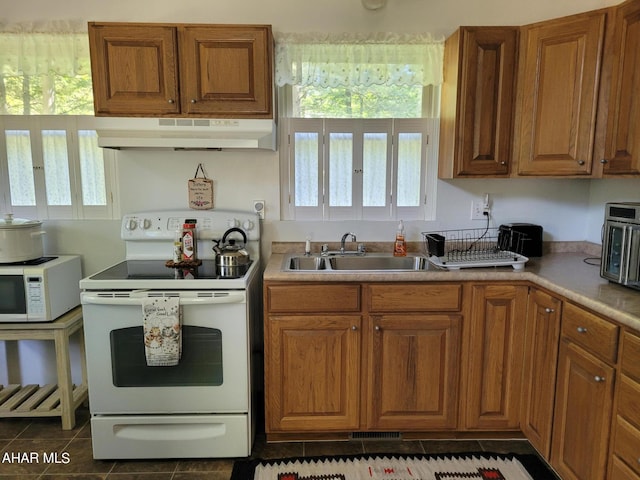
(354, 328)
(171, 100)
(193, 100)
(581, 162)
(377, 328)
(598, 379)
(604, 160)
(549, 310)
(581, 330)
(503, 163)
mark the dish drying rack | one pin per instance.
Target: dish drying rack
(475, 247)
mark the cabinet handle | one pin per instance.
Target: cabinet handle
(549, 310)
(354, 328)
(581, 162)
(603, 161)
(598, 378)
(581, 330)
(193, 100)
(171, 100)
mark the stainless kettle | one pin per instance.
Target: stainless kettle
(232, 260)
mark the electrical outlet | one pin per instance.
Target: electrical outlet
(478, 209)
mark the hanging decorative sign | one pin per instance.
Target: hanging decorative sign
(200, 191)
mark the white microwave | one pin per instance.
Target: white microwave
(40, 290)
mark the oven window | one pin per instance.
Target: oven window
(200, 363)
(12, 297)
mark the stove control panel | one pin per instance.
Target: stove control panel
(210, 224)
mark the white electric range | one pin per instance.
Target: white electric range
(201, 407)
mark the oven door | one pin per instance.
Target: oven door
(211, 377)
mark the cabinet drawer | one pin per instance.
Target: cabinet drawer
(336, 297)
(619, 471)
(629, 400)
(594, 333)
(631, 356)
(626, 445)
(414, 297)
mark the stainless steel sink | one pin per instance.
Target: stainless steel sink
(383, 263)
(306, 263)
(370, 262)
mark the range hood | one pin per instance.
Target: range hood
(185, 133)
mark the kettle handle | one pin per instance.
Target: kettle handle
(234, 229)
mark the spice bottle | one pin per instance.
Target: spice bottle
(189, 241)
(177, 246)
(400, 245)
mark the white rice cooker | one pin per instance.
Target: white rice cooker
(20, 239)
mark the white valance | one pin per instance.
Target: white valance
(37, 49)
(333, 60)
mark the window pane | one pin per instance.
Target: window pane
(374, 101)
(56, 167)
(20, 168)
(306, 169)
(340, 169)
(91, 169)
(374, 165)
(409, 175)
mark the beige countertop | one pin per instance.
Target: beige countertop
(566, 274)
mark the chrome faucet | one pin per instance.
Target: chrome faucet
(344, 238)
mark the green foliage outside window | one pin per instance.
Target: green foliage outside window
(375, 101)
(51, 94)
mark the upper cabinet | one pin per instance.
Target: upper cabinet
(558, 95)
(575, 102)
(622, 146)
(477, 102)
(224, 71)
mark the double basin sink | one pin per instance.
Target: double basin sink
(368, 262)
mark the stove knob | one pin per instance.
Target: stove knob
(131, 224)
(248, 225)
(233, 223)
(146, 224)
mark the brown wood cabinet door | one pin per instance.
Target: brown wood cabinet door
(312, 380)
(226, 71)
(622, 154)
(134, 69)
(477, 102)
(559, 79)
(582, 419)
(413, 372)
(495, 348)
(540, 364)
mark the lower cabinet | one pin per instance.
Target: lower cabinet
(369, 369)
(313, 373)
(494, 345)
(413, 369)
(624, 462)
(540, 363)
(584, 395)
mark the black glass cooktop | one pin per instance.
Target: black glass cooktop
(157, 270)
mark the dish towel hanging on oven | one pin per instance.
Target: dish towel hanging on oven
(162, 324)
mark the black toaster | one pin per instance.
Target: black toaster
(522, 238)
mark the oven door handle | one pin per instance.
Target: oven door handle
(90, 299)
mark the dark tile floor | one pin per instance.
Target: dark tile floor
(30, 438)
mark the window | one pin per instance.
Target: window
(50, 163)
(361, 133)
(52, 167)
(373, 169)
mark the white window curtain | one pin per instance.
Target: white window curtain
(38, 49)
(342, 60)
